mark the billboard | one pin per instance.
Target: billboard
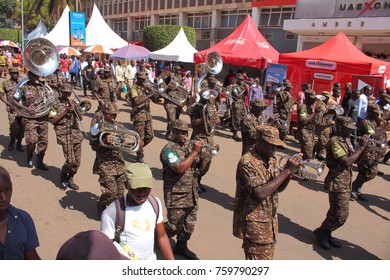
(77, 29)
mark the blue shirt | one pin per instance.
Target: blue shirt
(21, 235)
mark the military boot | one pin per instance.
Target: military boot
(181, 249)
(11, 144)
(140, 157)
(19, 146)
(40, 164)
(64, 180)
(322, 238)
(71, 184)
(235, 137)
(29, 160)
(334, 242)
(201, 188)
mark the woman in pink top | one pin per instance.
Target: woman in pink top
(65, 62)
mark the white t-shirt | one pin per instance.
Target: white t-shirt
(363, 103)
(140, 223)
(130, 72)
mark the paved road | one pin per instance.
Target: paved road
(59, 215)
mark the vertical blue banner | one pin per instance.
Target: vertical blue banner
(274, 77)
(77, 29)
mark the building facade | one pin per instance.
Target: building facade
(213, 20)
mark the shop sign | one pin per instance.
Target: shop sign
(321, 64)
(323, 76)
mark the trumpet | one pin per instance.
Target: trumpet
(303, 171)
(207, 148)
(378, 143)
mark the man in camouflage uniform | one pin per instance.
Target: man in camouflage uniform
(141, 117)
(105, 87)
(36, 129)
(63, 117)
(251, 120)
(181, 162)
(173, 110)
(16, 124)
(56, 80)
(259, 181)
(109, 163)
(306, 124)
(368, 162)
(204, 119)
(340, 156)
(237, 91)
(283, 106)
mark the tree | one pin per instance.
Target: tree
(7, 10)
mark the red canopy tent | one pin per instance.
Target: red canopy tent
(336, 55)
(244, 47)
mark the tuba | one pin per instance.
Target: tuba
(303, 170)
(123, 139)
(213, 65)
(41, 57)
(167, 81)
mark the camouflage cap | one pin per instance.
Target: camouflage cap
(257, 102)
(287, 84)
(344, 121)
(66, 88)
(141, 75)
(310, 94)
(385, 97)
(177, 67)
(269, 134)
(13, 70)
(180, 125)
(110, 108)
(139, 175)
(374, 108)
(326, 94)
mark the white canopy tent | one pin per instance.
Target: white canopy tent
(59, 36)
(98, 32)
(180, 49)
(38, 32)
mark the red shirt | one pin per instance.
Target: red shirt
(64, 65)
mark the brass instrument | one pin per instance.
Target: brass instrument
(378, 143)
(208, 149)
(41, 57)
(84, 105)
(213, 65)
(302, 171)
(166, 81)
(122, 139)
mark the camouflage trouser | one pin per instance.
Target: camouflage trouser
(145, 131)
(173, 113)
(16, 126)
(111, 187)
(321, 137)
(72, 154)
(306, 140)
(238, 113)
(36, 133)
(284, 130)
(181, 222)
(367, 172)
(254, 251)
(338, 211)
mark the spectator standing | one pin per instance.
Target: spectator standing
(256, 91)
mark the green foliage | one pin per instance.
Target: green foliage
(157, 37)
(11, 34)
(7, 10)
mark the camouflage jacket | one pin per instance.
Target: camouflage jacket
(304, 112)
(253, 219)
(9, 88)
(283, 104)
(248, 129)
(196, 112)
(140, 112)
(373, 153)
(180, 190)
(105, 88)
(339, 176)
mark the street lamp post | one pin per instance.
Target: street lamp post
(21, 8)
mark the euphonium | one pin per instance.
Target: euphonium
(41, 57)
(166, 81)
(302, 171)
(122, 138)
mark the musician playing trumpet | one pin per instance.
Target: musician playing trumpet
(63, 116)
(140, 97)
(204, 119)
(182, 161)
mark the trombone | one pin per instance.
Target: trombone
(302, 172)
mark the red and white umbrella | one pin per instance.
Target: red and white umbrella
(98, 49)
(8, 43)
(68, 51)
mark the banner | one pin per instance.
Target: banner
(77, 29)
(274, 77)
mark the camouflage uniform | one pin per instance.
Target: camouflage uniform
(110, 165)
(238, 105)
(105, 88)
(322, 130)
(68, 135)
(254, 221)
(141, 117)
(16, 124)
(338, 181)
(283, 107)
(36, 129)
(368, 162)
(248, 130)
(55, 81)
(306, 132)
(180, 191)
(173, 110)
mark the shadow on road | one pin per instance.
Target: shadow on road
(375, 201)
(349, 251)
(84, 202)
(52, 175)
(157, 173)
(220, 198)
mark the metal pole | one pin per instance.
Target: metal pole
(77, 5)
(21, 7)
